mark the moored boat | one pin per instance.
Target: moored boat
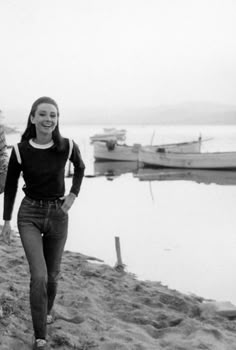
(111, 150)
(208, 160)
(109, 134)
(183, 147)
(114, 151)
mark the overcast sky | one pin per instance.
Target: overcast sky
(117, 53)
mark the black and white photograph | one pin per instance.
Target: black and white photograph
(118, 174)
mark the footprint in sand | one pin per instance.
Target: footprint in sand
(67, 315)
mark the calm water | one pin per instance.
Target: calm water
(182, 233)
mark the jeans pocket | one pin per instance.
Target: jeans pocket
(62, 210)
(27, 210)
(24, 207)
(27, 202)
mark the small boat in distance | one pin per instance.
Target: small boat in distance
(208, 160)
(109, 134)
(113, 151)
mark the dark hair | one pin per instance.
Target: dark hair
(30, 131)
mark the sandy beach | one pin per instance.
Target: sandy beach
(98, 307)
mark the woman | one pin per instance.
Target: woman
(43, 214)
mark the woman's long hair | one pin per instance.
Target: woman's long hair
(30, 131)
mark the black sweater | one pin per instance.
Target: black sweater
(43, 172)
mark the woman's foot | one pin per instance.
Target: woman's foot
(40, 344)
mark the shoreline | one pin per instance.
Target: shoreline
(98, 307)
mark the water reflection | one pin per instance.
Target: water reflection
(219, 177)
(114, 169)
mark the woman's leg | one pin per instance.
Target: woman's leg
(32, 243)
(30, 223)
(54, 240)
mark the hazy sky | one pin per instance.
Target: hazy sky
(117, 53)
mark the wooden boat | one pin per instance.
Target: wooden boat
(109, 134)
(219, 177)
(111, 150)
(183, 147)
(216, 160)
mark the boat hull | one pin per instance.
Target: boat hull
(217, 160)
(119, 152)
(182, 147)
(102, 151)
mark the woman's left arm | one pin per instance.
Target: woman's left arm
(77, 178)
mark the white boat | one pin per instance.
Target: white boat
(111, 150)
(183, 147)
(214, 160)
(109, 134)
(219, 177)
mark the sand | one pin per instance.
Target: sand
(98, 307)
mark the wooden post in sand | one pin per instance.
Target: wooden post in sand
(119, 265)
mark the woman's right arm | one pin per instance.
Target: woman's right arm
(13, 174)
(11, 184)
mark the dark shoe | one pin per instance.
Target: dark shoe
(40, 344)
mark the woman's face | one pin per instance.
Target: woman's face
(45, 118)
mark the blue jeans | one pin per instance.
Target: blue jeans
(43, 230)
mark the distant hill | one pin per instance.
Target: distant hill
(185, 113)
(191, 113)
(194, 113)
(188, 113)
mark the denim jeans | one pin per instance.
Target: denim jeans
(43, 230)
